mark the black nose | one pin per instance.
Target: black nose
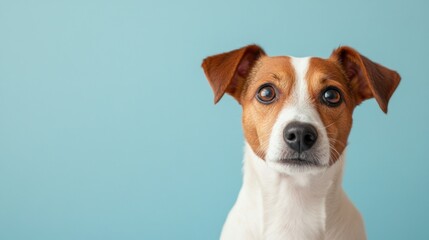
(300, 136)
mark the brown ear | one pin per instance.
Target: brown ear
(367, 78)
(227, 72)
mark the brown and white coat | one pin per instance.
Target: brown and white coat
(288, 193)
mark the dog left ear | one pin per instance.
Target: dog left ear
(367, 78)
(227, 72)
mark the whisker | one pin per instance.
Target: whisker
(338, 141)
(338, 118)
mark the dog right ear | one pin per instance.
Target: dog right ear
(227, 72)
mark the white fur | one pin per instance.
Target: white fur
(279, 201)
(272, 205)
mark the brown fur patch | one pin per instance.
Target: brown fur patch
(258, 119)
(337, 120)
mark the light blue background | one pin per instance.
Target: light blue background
(108, 128)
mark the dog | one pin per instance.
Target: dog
(297, 116)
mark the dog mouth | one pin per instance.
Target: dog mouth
(299, 162)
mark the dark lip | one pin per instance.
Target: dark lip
(299, 162)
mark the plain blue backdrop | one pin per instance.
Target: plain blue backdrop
(108, 128)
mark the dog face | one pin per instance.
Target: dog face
(297, 112)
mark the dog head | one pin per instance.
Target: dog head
(297, 112)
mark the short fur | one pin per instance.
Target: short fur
(280, 200)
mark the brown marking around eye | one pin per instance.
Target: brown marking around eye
(258, 119)
(337, 120)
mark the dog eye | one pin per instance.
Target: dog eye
(331, 97)
(266, 94)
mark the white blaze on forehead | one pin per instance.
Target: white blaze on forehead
(298, 107)
(300, 94)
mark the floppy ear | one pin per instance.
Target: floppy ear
(227, 72)
(367, 78)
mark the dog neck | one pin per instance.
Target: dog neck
(291, 206)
